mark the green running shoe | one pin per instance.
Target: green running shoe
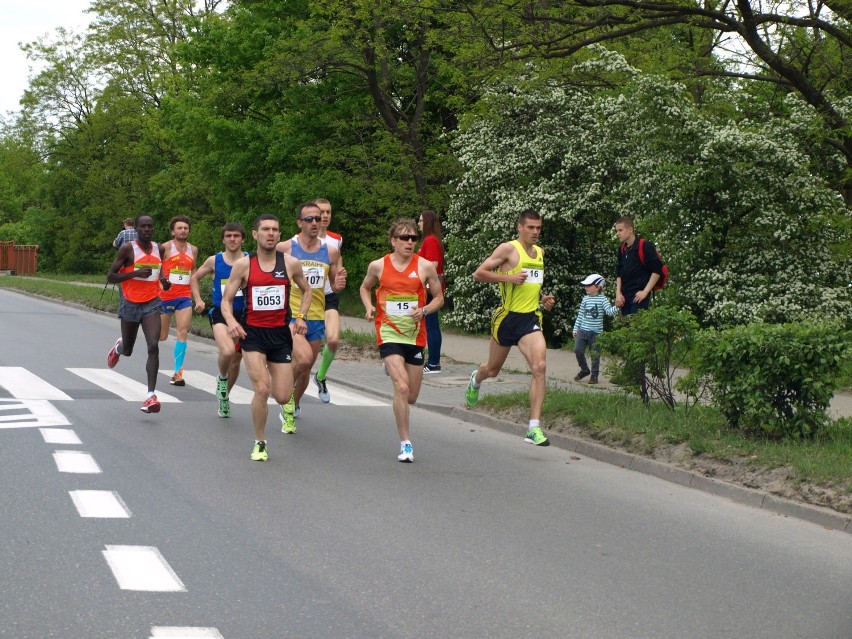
(224, 408)
(288, 417)
(260, 453)
(535, 436)
(221, 388)
(471, 395)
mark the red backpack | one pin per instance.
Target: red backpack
(664, 278)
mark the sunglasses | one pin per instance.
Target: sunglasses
(311, 218)
(407, 238)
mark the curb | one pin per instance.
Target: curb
(749, 496)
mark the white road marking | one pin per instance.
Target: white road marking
(74, 461)
(121, 385)
(207, 382)
(99, 503)
(184, 632)
(23, 384)
(29, 413)
(142, 568)
(341, 396)
(59, 436)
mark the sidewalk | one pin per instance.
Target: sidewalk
(462, 353)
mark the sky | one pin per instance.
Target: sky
(26, 21)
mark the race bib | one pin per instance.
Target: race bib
(534, 275)
(155, 272)
(224, 283)
(400, 304)
(315, 276)
(268, 298)
(179, 276)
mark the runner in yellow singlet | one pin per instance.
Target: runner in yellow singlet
(517, 267)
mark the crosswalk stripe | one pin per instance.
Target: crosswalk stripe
(207, 382)
(126, 388)
(22, 384)
(29, 413)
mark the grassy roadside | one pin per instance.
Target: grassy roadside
(818, 471)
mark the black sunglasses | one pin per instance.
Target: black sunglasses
(311, 218)
(407, 238)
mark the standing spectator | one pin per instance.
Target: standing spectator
(634, 279)
(589, 325)
(432, 249)
(127, 234)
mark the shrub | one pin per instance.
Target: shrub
(777, 379)
(648, 347)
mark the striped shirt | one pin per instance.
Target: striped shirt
(591, 313)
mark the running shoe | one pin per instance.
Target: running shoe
(288, 417)
(221, 388)
(260, 452)
(471, 395)
(432, 368)
(535, 436)
(297, 411)
(177, 379)
(151, 405)
(112, 356)
(224, 408)
(322, 390)
(406, 454)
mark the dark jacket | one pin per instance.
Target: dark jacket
(633, 273)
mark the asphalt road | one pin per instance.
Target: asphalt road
(483, 536)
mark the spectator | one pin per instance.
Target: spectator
(432, 249)
(127, 234)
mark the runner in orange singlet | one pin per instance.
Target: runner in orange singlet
(179, 259)
(402, 277)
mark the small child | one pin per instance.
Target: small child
(589, 325)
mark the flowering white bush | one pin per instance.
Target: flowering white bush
(746, 230)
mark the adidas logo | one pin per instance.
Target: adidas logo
(536, 327)
(419, 356)
(412, 274)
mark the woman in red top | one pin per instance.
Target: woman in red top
(432, 250)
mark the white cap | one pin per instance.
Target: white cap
(595, 279)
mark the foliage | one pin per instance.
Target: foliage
(775, 379)
(648, 347)
(747, 231)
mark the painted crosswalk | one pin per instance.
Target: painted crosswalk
(28, 404)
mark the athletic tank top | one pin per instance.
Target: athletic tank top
(398, 296)
(335, 240)
(268, 294)
(221, 273)
(139, 290)
(178, 269)
(526, 297)
(316, 267)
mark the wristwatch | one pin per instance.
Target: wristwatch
(425, 312)
(300, 316)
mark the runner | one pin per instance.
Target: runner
(220, 265)
(402, 277)
(267, 342)
(332, 303)
(320, 264)
(137, 268)
(179, 259)
(518, 268)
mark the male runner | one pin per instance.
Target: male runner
(332, 303)
(267, 344)
(402, 277)
(518, 268)
(179, 258)
(220, 265)
(137, 268)
(320, 264)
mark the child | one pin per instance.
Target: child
(589, 325)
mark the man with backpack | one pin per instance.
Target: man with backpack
(639, 269)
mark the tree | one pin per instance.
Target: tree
(728, 204)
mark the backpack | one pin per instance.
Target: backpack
(664, 278)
